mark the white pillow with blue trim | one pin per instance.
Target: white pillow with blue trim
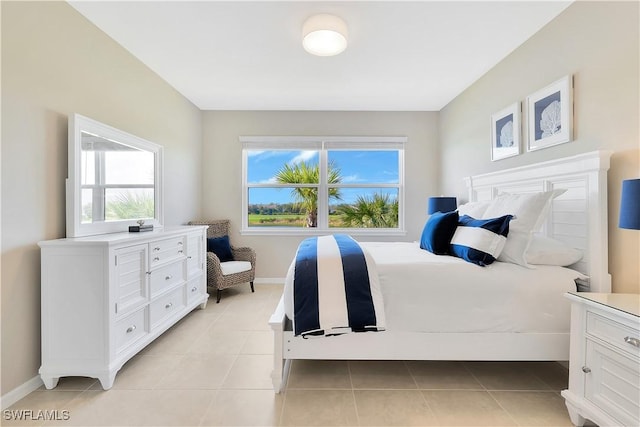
(480, 241)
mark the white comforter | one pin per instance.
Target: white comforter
(424, 292)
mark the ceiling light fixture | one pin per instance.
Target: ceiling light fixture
(324, 35)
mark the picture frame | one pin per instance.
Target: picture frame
(550, 115)
(505, 132)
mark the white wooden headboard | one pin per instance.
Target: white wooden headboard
(578, 217)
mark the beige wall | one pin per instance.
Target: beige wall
(222, 191)
(54, 63)
(597, 42)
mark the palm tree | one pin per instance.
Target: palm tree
(306, 198)
(129, 205)
(377, 211)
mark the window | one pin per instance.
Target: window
(314, 185)
(116, 181)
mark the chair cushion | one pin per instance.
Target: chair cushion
(221, 247)
(232, 267)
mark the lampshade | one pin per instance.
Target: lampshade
(441, 204)
(324, 35)
(630, 204)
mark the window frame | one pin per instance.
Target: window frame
(99, 190)
(323, 144)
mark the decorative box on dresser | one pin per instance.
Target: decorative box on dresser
(604, 365)
(106, 297)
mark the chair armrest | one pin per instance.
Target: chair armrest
(244, 254)
(213, 264)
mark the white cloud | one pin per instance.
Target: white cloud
(351, 178)
(271, 180)
(303, 156)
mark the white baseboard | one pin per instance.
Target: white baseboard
(19, 392)
(269, 280)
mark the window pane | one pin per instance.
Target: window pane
(282, 166)
(129, 167)
(86, 202)
(88, 168)
(366, 166)
(283, 207)
(129, 203)
(365, 208)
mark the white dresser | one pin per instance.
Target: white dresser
(604, 365)
(106, 297)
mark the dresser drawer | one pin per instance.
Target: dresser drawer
(613, 333)
(162, 251)
(613, 382)
(195, 264)
(130, 329)
(195, 289)
(166, 277)
(166, 306)
(131, 278)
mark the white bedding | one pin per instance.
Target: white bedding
(424, 292)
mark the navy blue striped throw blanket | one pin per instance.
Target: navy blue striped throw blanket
(335, 288)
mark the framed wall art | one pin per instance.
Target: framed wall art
(550, 115)
(505, 132)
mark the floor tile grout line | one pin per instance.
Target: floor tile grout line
(353, 394)
(421, 391)
(212, 404)
(504, 409)
(464, 365)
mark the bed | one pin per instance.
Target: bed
(508, 313)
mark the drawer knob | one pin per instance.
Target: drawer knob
(180, 243)
(180, 251)
(156, 249)
(586, 369)
(131, 329)
(195, 288)
(189, 257)
(156, 259)
(633, 341)
(169, 305)
(169, 277)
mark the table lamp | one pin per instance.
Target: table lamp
(630, 204)
(441, 204)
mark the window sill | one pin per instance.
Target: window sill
(283, 231)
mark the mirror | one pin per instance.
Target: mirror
(115, 179)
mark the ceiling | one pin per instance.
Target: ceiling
(241, 55)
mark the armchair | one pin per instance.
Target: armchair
(223, 275)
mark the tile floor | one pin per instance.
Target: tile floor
(213, 369)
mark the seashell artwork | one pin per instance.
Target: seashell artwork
(551, 119)
(505, 132)
(506, 135)
(550, 112)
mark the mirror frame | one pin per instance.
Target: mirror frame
(75, 227)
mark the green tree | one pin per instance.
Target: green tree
(306, 198)
(377, 211)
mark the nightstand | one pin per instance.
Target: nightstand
(604, 365)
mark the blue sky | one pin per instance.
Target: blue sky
(355, 167)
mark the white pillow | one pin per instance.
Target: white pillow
(474, 209)
(544, 250)
(530, 211)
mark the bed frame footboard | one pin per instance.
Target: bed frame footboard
(280, 371)
(397, 345)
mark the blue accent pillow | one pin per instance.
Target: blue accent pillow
(480, 241)
(438, 231)
(221, 247)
